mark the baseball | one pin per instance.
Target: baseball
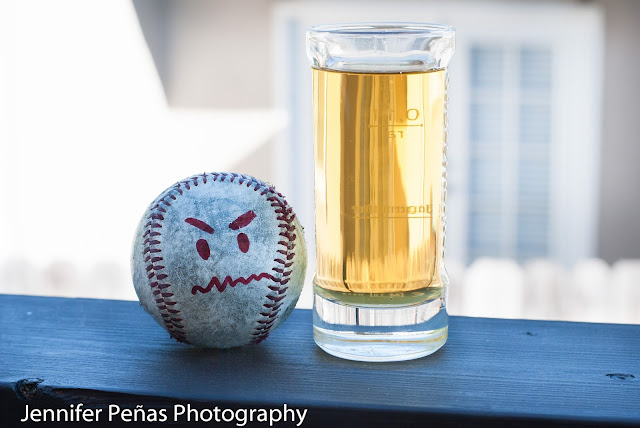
(219, 260)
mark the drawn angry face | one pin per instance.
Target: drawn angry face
(204, 251)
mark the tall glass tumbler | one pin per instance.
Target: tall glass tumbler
(380, 98)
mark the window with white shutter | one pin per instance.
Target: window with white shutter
(509, 212)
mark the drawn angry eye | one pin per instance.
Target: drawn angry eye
(243, 242)
(203, 249)
(240, 222)
(202, 246)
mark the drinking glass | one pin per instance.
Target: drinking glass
(380, 104)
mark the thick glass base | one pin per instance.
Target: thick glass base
(379, 333)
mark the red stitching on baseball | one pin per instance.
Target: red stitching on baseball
(151, 246)
(272, 306)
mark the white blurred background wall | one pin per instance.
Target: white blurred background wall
(103, 104)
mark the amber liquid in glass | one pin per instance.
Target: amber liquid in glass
(379, 175)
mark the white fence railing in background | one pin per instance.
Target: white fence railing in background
(591, 291)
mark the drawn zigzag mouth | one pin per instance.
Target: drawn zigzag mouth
(228, 281)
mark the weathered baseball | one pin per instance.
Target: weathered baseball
(219, 260)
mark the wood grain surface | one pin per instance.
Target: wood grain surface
(493, 372)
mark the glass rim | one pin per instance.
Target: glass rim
(383, 29)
